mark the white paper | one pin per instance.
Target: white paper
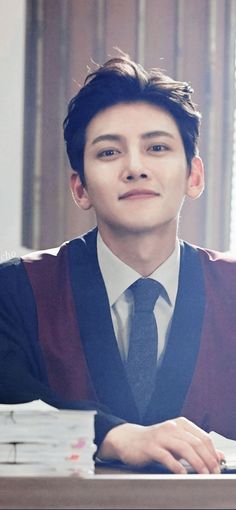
(227, 446)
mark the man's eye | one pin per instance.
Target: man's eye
(108, 153)
(158, 148)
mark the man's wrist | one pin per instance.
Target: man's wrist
(110, 447)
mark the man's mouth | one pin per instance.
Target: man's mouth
(139, 193)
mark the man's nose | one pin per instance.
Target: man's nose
(134, 168)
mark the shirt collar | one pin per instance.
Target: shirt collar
(118, 276)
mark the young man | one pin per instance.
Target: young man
(69, 319)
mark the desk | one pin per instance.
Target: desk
(116, 490)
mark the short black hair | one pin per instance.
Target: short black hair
(120, 80)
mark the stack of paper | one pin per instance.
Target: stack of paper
(36, 438)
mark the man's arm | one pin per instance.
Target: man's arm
(23, 375)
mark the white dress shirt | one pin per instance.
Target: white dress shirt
(118, 277)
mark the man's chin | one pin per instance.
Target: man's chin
(137, 228)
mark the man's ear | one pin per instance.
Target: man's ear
(195, 182)
(79, 192)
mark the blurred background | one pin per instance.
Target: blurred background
(46, 49)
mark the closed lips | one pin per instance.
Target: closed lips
(139, 193)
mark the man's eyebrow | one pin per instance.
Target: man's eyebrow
(107, 137)
(117, 138)
(154, 134)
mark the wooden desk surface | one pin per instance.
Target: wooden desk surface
(119, 491)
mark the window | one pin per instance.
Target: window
(232, 246)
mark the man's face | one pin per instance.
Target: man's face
(135, 169)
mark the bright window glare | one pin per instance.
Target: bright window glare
(233, 192)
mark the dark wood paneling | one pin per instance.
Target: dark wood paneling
(52, 203)
(29, 124)
(121, 26)
(160, 38)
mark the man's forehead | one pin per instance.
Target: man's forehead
(114, 122)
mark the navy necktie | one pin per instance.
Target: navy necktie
(142, 355)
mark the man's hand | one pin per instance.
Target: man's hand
(167, 443)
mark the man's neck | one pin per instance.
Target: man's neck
(143, 252)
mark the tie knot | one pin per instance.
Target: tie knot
(145, 292)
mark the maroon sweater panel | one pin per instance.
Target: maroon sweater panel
(210, 401)
(58, 329)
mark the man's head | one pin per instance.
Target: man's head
(120, 80)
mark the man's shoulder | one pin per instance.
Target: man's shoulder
(55, 254)
(218, 267)
(43, 255)
(46, 259)
(209, 255)
(15, 266)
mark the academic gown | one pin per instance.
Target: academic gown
(57, 340)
